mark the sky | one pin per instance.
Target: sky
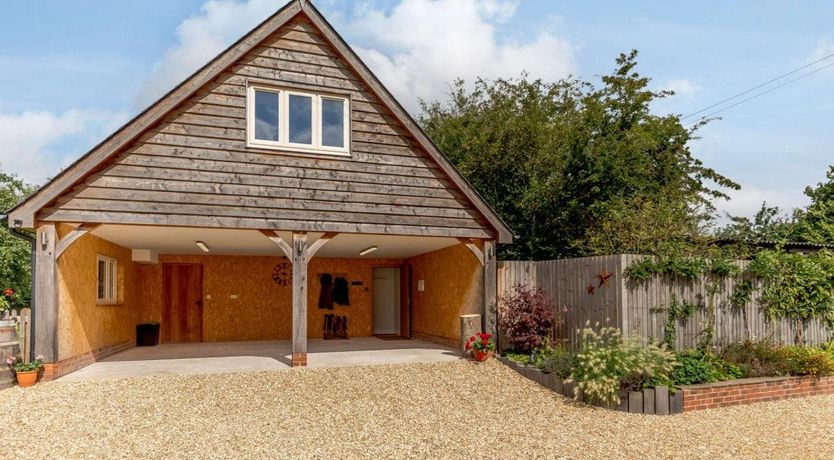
(73, 72)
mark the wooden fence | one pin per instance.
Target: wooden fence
(594, 289)
(15, 333)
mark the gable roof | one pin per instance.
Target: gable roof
(24, 212)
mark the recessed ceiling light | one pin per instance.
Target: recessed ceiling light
(367, 251)
(202, 246)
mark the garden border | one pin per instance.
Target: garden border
(655, 401)
(663, 401)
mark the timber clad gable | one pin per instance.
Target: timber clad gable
(194, 167)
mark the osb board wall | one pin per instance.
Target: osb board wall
(262, 309)
(453, 280)
(83, 325)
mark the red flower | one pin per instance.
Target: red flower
(8, 292)
(468, 345)
(472, 339)
(484, 342)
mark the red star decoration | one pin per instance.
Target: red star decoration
(603, 277)
(591, 289)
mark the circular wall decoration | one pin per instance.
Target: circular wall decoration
(282, 273)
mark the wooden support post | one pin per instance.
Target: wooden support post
(46, 294)
(490, 288)
(299, 299)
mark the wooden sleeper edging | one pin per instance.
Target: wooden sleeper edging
(654, 401)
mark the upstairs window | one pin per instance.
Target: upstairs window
(293, 120)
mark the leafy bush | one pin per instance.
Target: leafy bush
(828, 347)
(528, 318)
(808, 361)
(765, 358)
(694, 367)
(521, 358)
(798, 287)
(554, 359)
(607, 363)
(756, 358)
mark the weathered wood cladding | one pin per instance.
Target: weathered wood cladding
(194, 168)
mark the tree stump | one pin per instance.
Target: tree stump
(469, 326)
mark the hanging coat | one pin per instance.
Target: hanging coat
(326, 294)
(341, 294)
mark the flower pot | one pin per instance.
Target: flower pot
(26, 379)
(481, 355)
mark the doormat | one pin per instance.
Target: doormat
(390, 337)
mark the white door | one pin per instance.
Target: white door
(386, 301)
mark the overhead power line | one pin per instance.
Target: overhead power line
(773, 80)
(765, 91)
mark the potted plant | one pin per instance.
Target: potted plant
(481, 345)
(26, 373)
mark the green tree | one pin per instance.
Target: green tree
(565, 163)
(815, 223)
(768, 224)
(15, 262)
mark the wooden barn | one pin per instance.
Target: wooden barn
(279, 193)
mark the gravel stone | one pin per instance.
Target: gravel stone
(454, 409)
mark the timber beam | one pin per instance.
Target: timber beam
(72, 237)
(276, 238)
(476, 251)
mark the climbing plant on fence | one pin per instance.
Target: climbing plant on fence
(710, 270)
(796, 287)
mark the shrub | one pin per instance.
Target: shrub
(528, 318)
(554, 359)
(694, 367)
(521, 358)
(607, 364)
(765, 358)
(808, 361)
(756, 358)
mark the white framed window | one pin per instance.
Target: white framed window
(107, 272)
(295, 120)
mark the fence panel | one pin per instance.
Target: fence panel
(642, 308)
(15, 330)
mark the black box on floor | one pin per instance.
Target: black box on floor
(147, 335)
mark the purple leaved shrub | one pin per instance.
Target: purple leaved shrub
(528, 318)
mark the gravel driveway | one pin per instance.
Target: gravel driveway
(410, 410)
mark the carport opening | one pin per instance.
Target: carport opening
(231, 294)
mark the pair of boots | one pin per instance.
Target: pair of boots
(335, 327)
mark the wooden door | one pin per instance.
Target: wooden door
(182, 315)
(386, 290)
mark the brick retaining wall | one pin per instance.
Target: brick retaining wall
(52, 371)
(665, 401)
(746, 391)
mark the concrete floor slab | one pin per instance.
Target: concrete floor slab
(231, 357)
